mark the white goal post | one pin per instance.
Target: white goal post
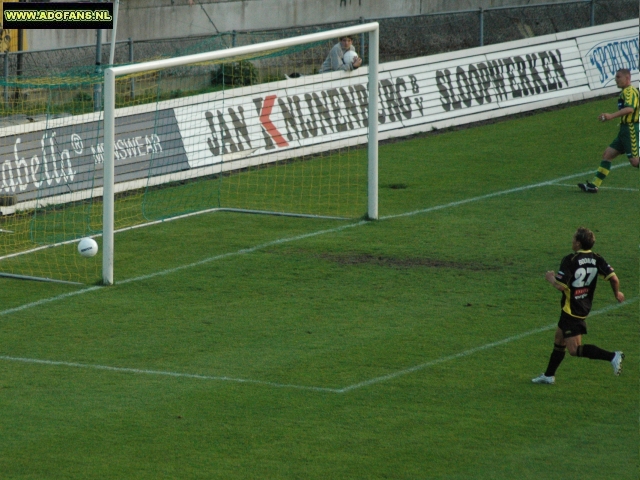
(110, 75)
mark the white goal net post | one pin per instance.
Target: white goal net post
(236, 161)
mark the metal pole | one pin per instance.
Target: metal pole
(362, 40)
(20, 48)
(109, 176)
(372, 151)
(244, 50)
(133, 79)
(112, 53)
(593, 13)
(6, 78)
(97, 88)
(481, 27)
(233, 38)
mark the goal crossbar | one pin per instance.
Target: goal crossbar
(110, 75)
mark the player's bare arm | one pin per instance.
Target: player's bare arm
(615, 286)
(603, 117)
(550, 276)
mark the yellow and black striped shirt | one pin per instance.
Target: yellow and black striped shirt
(629, 98)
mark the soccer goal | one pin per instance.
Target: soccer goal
(252, 128)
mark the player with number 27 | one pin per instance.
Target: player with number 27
(577, 280)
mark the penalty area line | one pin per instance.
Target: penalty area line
(471, 351)
(163, 373)
(349, 388)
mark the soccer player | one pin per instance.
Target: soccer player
(627, 139)
(335, 59)
(577, 279)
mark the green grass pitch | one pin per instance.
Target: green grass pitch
(242, 346)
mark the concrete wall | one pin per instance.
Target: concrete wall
(153, 19)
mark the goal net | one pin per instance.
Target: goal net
(254, 128)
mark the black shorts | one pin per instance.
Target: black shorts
(571, 326)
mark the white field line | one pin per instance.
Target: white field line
(164, 373)
(49, 300)
(286, 240)
(76, 240)
(599, 188)
(293, 239)
(471, 351)
(349, 388)
(241, 252)
(158, 222)
(497, 194)
(181, 267)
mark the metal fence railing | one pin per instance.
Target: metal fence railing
(26, 74)
(401, 37)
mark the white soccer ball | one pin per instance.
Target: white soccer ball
(349, 57)
(87, 247)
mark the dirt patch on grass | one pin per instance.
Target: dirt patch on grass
(382, 261)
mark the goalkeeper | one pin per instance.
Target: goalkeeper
(335, 59)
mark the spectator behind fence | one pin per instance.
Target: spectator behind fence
(335, 60)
